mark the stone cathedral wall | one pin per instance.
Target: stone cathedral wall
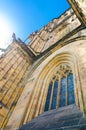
(14, 64)
(26, 71)
(32, 100)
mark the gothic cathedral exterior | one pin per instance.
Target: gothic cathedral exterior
(43, 84)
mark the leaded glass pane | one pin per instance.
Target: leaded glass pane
(63, 92)
(54, 99)
(48, 98)
(71, 98)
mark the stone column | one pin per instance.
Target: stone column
(79, 6)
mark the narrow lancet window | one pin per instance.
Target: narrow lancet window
(63, 92)
(48, 97)
(54, 99)
(71, 97)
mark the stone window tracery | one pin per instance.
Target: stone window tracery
(61, 89)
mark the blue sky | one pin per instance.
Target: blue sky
(27, 16)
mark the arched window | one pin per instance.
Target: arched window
(61, 89)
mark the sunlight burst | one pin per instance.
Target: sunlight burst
(5, 33)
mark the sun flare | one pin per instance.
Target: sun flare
(5, 33)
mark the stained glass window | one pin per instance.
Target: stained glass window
(62, 87)
(54, 99)
(71, 98)
(48, 97)
(63, 92)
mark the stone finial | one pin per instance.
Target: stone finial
(14, 37)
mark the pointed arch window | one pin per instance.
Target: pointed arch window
(61, 89)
